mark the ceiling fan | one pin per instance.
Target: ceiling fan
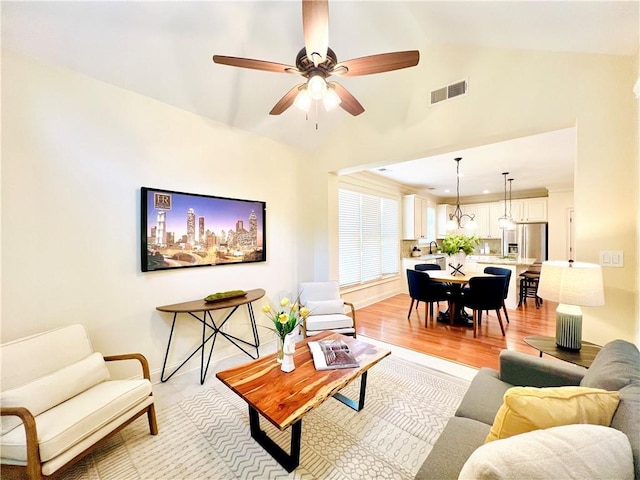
(317, 62)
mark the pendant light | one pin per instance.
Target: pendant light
(455, 219)
(505, 220)
(512, 223)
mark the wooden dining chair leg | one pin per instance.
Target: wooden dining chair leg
(500, 320)
(411, 308)
(475, 323)
(506, 315)
(452, 312)
(480, 317)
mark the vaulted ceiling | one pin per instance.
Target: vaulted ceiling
(163, 49)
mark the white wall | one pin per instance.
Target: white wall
(513, 93)
(75, 153)
(559, 203)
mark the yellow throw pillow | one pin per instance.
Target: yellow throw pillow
(528, 408)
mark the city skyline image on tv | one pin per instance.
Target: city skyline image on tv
(189, 230)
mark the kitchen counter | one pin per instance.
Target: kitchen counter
(428, 256)
(411, 262)
(498, 260)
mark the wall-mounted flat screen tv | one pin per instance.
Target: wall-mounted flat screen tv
(192, 230)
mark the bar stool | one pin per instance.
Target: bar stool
(529, 287)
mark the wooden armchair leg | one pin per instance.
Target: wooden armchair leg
(151, 416)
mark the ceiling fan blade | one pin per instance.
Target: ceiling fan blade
(349, 102)
(286, 101)
(254, 64)
(315, 24)
(383, 62)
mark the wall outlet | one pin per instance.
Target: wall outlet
(612, 258)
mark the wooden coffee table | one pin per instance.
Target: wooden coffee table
(284, 398)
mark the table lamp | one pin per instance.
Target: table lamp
(572, 285)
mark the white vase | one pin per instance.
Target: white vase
(456, 262)
(289, 348)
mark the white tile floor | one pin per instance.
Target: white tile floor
(184, 385)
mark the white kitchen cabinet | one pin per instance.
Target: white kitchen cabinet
(442, 217)
(481, 212)
(535, 210)
(418, 218)
(529, 210)
(496, 210)
(486, 217)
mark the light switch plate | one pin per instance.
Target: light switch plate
(612, 258)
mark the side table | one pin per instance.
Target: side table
(583, 357)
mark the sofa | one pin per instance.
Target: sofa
(568, 451)
(58, 401)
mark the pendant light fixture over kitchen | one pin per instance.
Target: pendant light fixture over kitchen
(512, 223)
(455, 219)
(505, 220)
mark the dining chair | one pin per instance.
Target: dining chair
(421, 267)
(327, 309)
(423, 289)
(506, 273)
(484, 293)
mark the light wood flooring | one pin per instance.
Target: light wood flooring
(387, 321)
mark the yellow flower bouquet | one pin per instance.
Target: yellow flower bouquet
(286, 319)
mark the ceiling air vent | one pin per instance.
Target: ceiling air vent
(450, 91)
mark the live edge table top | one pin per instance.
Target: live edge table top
(202, 306)
(283, 398)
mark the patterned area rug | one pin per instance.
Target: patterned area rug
(207, 436)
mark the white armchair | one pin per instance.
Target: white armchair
(327, 309)
(58, 401)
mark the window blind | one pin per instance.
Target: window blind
(368, 237)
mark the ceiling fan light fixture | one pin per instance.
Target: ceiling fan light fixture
(316, 87)
(331, 99)
(303, 100)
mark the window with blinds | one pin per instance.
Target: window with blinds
(368, 236)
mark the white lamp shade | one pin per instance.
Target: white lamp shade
(571, 283)
(303, 100)
(452, 225)
(316, 87)
(331, 99)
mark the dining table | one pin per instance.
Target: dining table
(455, 314)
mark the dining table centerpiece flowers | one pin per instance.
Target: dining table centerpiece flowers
(285, 320)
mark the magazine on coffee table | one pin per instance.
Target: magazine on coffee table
(330, 354)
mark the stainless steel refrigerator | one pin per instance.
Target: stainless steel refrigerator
(528, 240)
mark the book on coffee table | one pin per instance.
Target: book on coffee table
(330, 354)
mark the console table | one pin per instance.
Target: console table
(210, 329)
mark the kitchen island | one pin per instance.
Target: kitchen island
(477, 263)
(411, 262)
